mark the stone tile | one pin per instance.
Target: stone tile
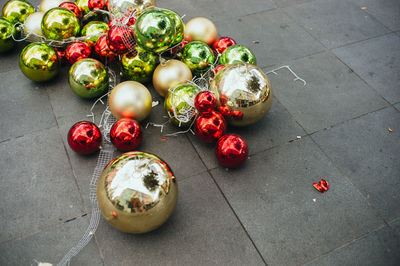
(333, 93)
(396, 225)
(397, 106)
(24, 106)
(377, 61)
(38, 189)
(381, 247)
(289, 221)
(369, 155)
(10, 60)
(286, 3)
(280, 39)
(202, 230)
(275, 128)
(336, 23)
(50, 246)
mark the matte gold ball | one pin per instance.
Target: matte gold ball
(201, 29)
(170, 74)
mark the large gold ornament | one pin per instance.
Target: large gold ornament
(137, 192)
(130, 99)
(245, 90)
(33, 27)
(169, 74)
(201, 29)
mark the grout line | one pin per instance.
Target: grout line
(29, 133)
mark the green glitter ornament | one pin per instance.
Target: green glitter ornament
(6, 31)
(139, 65)
(237, 54)
(198, 56)
(60, 23)
(17, 11)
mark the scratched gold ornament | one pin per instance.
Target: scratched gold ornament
(60, 23)
(33, 27)
(138, 65)
(6, 31)
(245, 91)
(17, 11)
(201, 29)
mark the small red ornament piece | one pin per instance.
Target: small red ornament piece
(98, 4)
(77, 51)
(72, 7)
(126, 134)
(225, 111)
(120, 39)
(231, 150)
(84, 138)
(127, 20)
(102, 50)
(114, 214)
(322, 186)
(222, 44)
(237, 115)
(209, 127)
(218, 68)
(61, 55)
(205, 102)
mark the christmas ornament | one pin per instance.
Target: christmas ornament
(154, 31)
(130, 99)
(17, 11)
(201, 29)
(61, 55)
(322, 186)
(231, 150)
(49, 4)
(237, 54)
(205, 102)
(88, 78)
(102, 50)
(128, 20)
(72, 7)
(210, 126)
(96, 4)
(94, 16)
(94, 30)
(218, 68)
(6, 30)
(179, 104)
(60, 23)
(120, 39)
(137, 192)
(126, 134)
(83, 6)
(39, 62)
(179, 26)
(198, 57)
(84, 138)
(169, 74)
(77, 51)
(120, 7)
(33, 27)
(245, 90)
(138, 65)
(222, 44)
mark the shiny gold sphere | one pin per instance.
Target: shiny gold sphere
(137, 192)
(245, 90)
(201, 29)
(33, 27)
(130, 99)
(169, 74)
(49, 4)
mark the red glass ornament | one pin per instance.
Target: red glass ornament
(102, 50)
(231, 150)
(120, 39)
(128, 20)
(222, 44)
(209, 127)
(205, 102)
(77, 51)
(126, 134)
(218, 68)
(84, 137)
(73, 7)
(98, 4)
(61, 55)
(225, 111)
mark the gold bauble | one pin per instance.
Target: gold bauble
(137, 192)
(49, 4)
(130, 99)
(33, 27)
(201, 29)
(169, 74)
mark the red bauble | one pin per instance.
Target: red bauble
(127, 20)
(218, 68)
(77, 51)
(225, 111)
(222, 44)
(72, 7)
(209, 127)
(126, 134)
(102, 50)
(84, 137)
(61, 55)
(120, 39)
(98, 4)
(231, 150)
(205, 102)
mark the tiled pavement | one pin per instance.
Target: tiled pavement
(265, 212)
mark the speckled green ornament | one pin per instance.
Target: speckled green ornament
(179, 26)
(237, 54)
(60, 23)
(139, 65)
(88, 78)
(6, 40)
(39, 62)
(93, 30)
(198, 56)
(180, 103)
(17, 11)
(154, 31)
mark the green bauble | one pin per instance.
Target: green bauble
(83, 6)
(198, 56)
(179, 103)
(139, 65)
(17, 11)
(237, 54)
(60, 23)
(39, 62)
(6, 30)
(154, 31)
(94, 30)
(88, 78)
(179, 26)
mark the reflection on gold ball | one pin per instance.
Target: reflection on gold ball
(170, 74)
(130, 99)
(137, 192)
(201, 29)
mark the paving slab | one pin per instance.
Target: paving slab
(202, 230)
(10, 59)
(288, 219)
(369, 155)
(336, 23)
(396, 225)
(397, 106)
(333, 93)
(286, 3)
